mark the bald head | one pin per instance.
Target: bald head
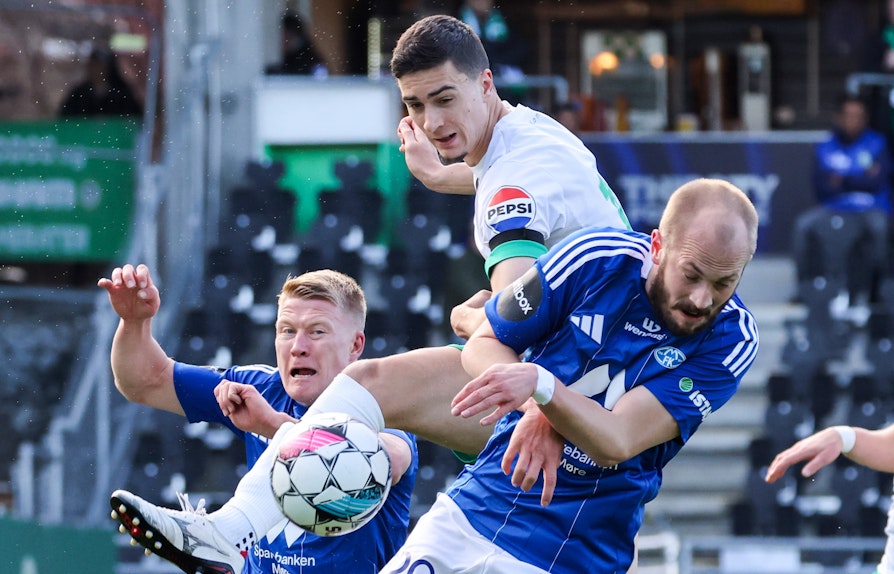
(714, 208)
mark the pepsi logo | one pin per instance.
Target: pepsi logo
(510, 208)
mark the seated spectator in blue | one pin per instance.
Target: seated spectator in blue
(853, 167)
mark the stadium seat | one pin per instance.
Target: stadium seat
(766, 509)
(316, 257)
(824, 393)
(786, 422)
(260, 208)
(857, 488)
(880, 354)
(264, 176)
(383, 337)
(354, 174)
(846, 246)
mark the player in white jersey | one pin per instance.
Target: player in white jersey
(871, 448)
(535, 182)
(537, 178)
(629, 343)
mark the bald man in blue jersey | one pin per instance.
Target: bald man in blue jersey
(629, 342)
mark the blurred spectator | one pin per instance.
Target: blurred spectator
(853, 167)
(851, 174)
(103, 92)
(569, 115)
(506, 53)
(299, 56)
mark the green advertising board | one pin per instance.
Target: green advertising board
(66, 189)
(30, 548)
(310, 169)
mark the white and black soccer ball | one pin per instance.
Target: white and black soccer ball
(331, 474)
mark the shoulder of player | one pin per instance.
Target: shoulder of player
(735, 317)
(257, 375)
(596, 244)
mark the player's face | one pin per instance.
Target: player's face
(451, 109)
(314, 342)
(692, 282)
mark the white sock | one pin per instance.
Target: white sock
(253, 506)
(235, 526)
(345, 395)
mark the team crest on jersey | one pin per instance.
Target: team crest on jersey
(510, 208)
(669, 357)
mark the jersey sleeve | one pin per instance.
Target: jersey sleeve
(520, 315)
(517, 212)
(411, 443)
(195, 390)
(706, 381)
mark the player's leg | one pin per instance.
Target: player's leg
(216, 542)
(186, 538)
(411, 391)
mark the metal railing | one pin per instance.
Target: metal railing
(855, 82)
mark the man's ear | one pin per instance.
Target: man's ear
(357, 345)
(487, 81)
(655, 249)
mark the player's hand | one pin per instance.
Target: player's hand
(502, 387)
(133, 295)
(468, 315)
(247, 409)
(536, 448)
(419, 153)
(818, 449)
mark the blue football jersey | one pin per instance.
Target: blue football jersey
(582, 313)
(286, 547)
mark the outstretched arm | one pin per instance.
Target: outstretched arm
(501, 384)
(873, 448)
(143, 372)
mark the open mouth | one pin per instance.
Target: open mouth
(302, 372)
(445, 140)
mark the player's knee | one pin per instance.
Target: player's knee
(367, 372)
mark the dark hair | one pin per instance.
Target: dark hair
(848, 98)
(436, 40)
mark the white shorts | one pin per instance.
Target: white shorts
(443, 542)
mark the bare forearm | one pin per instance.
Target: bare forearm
(454, 179)
(139, 364)
(600, 437)
(874, 449)
(269, 427)
(638, 421)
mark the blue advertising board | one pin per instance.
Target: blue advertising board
(774, 168)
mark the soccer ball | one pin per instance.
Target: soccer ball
(331, 474)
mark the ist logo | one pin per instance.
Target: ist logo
(510, 208)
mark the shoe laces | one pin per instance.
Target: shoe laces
(187, 506)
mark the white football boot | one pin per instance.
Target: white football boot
(186, 538)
